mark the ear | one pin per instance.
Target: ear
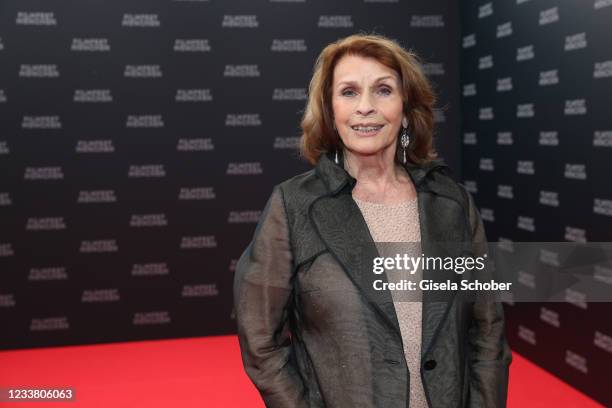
(405, 121)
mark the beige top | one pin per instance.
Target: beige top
(400, 223)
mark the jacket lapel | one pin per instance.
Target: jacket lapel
(344, 232)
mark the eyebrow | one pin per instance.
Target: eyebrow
(355, 83)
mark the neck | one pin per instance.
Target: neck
(375, 171)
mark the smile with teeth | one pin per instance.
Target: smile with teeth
(367, 129)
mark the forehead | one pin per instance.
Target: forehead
(355, 68)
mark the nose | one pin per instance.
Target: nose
(365, 106)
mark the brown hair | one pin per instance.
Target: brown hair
(319, 136)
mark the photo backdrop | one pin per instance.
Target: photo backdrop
(140, 141)
(536, 84)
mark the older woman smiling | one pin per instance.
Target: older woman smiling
(312, 332)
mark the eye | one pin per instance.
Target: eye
(345, 91)
(385, 90)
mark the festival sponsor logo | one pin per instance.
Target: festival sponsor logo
(43, 173)
(289, 94)
(243, 119)
(548, 16)
(575, 171)
(469, 138)
(45, 223)
(550, 77)
(602, 207)
(486, 113)
(525, 110)
(41, 122)
(525, 53)
(192, 45)
(100, 295)
(340, 21)
(144, 121)
(505, 191)
(575, 42)
(575, 107)
(195, 145)
(576, 298)
(148, 220)
(142, 71)
(289, 142)
(201, 290)
(92, 95)
(469, 41)
(504, 138)
(427, 21)
(550, 316)
(151, 318)
(504, 84)
(150, 269)
(549, 198)
(485, 62)
(147, 170)
(7, 300)
(576, 361)
(471, 186)
(525, 167)
(38, 71)
(548, 138)
(602, 138)
(94, 146)
(240, 21)
(525, 223)
(198, 242)
(602, 69)
(288, 45)
(504, 30)
(197, 193)
(527, 335)
(469, 89)
(485, 10)
(99, 246)
(486, 164)
(49, 273)
(90, 44)
(49, 323)
(35, 18)
(244, 169)
(241, 71)
(140, 20)
(575, 234)
(548, 257)
(242, 217)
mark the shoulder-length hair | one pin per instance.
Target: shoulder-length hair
(319, 136)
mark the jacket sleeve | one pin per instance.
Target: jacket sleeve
(262, 299)
(489, 355)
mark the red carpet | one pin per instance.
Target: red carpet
(197, 372)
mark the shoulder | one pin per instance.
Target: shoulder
(301, 189)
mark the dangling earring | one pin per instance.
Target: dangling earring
(336, 159)
(405, 139)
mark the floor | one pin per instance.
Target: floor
(198, 372)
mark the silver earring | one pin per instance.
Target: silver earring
(336, 159)
(405, 139)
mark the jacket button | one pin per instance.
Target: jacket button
(430, 364)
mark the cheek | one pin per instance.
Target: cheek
(341, 109)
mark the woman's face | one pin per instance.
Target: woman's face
(366, 92)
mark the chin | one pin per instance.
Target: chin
(367, 147)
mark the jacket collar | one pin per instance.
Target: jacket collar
(336, 177)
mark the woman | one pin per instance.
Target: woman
(312, 331)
